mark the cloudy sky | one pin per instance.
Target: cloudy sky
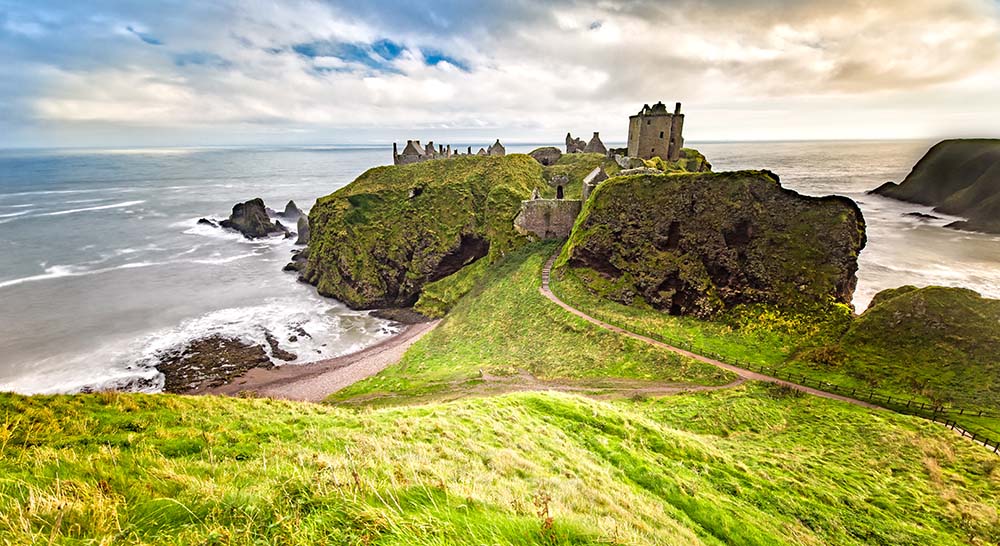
(174, 72)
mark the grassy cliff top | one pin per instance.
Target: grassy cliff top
(378, 240)
(697, 244)
(749, 466)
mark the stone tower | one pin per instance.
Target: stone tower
(655, 132)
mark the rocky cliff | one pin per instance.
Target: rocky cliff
(377, 241)
(959, 177)
(697, 244)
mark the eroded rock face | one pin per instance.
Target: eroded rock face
(375, 243)
(700, 243)
(252, 221)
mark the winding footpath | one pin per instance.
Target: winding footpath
(743, 373)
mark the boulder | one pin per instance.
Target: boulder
(207, 222)
(252, 221)
(958, 177)
(698, 244)
(547, 156)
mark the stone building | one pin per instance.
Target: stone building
(655, 132)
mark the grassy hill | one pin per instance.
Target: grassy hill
(504, 333)
(749, 466)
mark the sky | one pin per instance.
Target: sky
(247, 72)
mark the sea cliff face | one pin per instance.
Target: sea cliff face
(958, 177)
(377, 241)
(697, 244)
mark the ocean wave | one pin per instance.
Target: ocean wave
(64, 192)
(60, 271)
(202, 230)
(220, 260)
(88, 209)
(304, 326)
(20, 213)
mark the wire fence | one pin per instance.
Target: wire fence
(935, 412)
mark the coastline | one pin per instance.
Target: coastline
(314, 381)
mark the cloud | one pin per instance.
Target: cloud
(520, 69)
(145, 37)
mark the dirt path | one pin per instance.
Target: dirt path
(743, 373)
(315, 381)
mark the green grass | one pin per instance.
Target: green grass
(504, 327)
(933, 345)
(576, 167)
(748, 466)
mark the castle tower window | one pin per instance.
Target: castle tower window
(661, 134)
(559, 192)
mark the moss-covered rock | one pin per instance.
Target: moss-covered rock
(697, 244)
(960, 177)
(943, 343)
(377, 241)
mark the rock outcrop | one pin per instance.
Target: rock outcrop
(291, 212)
(252, 221)
(375, 243)
(209, 362)
(697, 244)
(548, 155)
(302, 227)
(958, 177)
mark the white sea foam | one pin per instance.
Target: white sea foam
(304, 326)
(88, 209)
(58, 271)
(19, 213)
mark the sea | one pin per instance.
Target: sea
(104, 266)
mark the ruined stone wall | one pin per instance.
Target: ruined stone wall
(633, 136)
(676, 137)
(547, 218)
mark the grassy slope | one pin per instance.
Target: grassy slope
(503, 327)
(513, 469)
(576, 166)
(934, 344)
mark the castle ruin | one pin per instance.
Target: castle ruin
(655, 132)
(415, 153)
